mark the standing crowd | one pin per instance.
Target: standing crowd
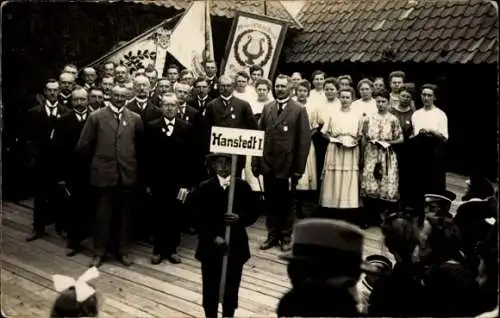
(124, 156)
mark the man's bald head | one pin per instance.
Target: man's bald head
(65, 76)
(89, 70)
(121, 73)
(169, 105)
(89, 75)
(70, 68)
(169, 98)
(79, 92)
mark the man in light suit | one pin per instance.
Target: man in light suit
(286, 147)
(227, 111)
(110, 136)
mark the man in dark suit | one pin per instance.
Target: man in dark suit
(75, 173)
(148, 111)
(168, 148)
(67, 84)
(211, 71)
(227, 111)
(286, 147)
(186, 112)
(210, 202)
(96, 99)
(110, 136)
(41, 122)
(201, 97)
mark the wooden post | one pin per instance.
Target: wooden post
(227, 236)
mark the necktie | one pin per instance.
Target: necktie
(117, 118)
(280, 108)
(52, 111)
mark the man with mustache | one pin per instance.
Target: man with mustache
(110, 137)
(75, 173)
(67, 83)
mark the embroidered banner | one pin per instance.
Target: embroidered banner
(147, 48)
(254, 40)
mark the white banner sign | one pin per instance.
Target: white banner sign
(246, 142)
(255, 40)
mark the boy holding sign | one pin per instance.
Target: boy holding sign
(210, 204)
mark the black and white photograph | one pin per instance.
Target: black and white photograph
(249, 158)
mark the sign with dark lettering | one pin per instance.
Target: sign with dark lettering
(245, 142)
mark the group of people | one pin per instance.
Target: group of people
(123, 156)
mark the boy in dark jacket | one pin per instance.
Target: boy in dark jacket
(210, 202)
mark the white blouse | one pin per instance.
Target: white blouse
(432, 119)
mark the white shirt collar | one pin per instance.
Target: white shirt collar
(169, 121)
(115, 109)
(65, 96)
(202, 99)
(224, 182)
(284, 102)
(226, 99)
(49, 104)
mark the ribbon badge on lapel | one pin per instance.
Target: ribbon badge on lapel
(82, 290)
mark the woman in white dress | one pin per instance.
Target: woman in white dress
(307, 185)
(366, 105)
(340, 177)
(263, 88)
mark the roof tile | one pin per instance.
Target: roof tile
(442, 31)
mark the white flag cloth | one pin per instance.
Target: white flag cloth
(147, 48)
(82, 289)
(188, 42)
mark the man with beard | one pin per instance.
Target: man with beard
(110, 137)
(89, 75)
(107, 84)
(41, 123)
(96, 99)
(75, 175)
(142, 105)
(168, 143)
(67, 82)
(286, 147)
(211, 71)
(227, 111)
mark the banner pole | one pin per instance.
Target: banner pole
(222, 287)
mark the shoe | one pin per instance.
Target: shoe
(96, 261)
(72, 251)
(156, 259)
(174, 259)
(228, 313)
(36, 235)
(269, 243)
(285, 245)
(125, 260)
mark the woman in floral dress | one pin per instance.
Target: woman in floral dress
(307, 184)
(340, 177)
(379, 179)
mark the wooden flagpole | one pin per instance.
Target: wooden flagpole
(227, 236)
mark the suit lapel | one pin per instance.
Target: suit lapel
(110, 118)
(124, 121)
(224, 111)
(283, 115)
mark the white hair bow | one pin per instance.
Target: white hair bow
(82, 289)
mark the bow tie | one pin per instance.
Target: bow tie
(225, 184)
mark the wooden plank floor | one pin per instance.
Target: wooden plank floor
(142, 290)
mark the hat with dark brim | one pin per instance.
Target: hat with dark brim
(213, 156)
(316, 239)
(445, 196)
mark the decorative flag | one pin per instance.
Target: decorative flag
(255, 40)
(192, 38)
(147, 48)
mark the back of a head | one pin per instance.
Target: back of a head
(66, 305)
